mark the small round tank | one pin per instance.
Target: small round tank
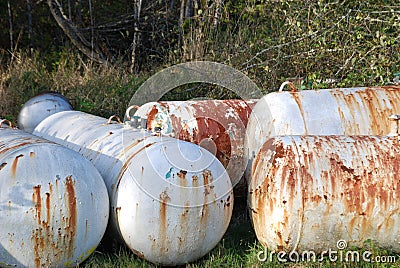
(39, 107)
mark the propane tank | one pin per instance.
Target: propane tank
(54, 205)
(216, 125)
(345, 111)
(310, 193)
(42, 106)
(171, 200)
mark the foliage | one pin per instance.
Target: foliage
(102, 90)
(317, 44)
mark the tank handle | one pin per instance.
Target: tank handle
(128, 111)
(394, 124)
(118, 119)
(290, 84)
(6, 121)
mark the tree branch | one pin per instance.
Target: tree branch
(73, 34)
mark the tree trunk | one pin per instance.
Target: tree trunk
(137, 5)
(189, 9)
(73, 33)
(91, 27)
(30, 31)
(218, 4)
(10, 19)
(78, 12)
(182, 15)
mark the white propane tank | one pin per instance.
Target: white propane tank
(42, 106)
(54, 205)
(171, 200)
(319, 193)
(343, 111)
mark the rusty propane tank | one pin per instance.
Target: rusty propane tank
(42, 106)
(54, 205)
(171, 200)
(344, 111)
(216, 125)
(308, 192)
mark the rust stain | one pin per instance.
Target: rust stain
(195, 181)
(48, 240)
(14, 165)
(37, 201)
(184, 234)
(118, 212)
(207, 182)
(182, 175)
(37, 234)
(72, 210)
(163, 232)
(48, 209)
(367, 109)
(3, 165)
(151, 116)
(296, 98)
(86, 228)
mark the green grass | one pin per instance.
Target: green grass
(238, 248)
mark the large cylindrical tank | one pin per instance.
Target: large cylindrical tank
(54, 205)
(42, 106)
(344, 111)
(307, 193)
(217, 125)
(171, 200)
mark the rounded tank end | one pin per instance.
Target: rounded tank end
(40, 107)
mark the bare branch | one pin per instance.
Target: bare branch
(74, 35)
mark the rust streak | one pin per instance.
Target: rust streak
(37, 201)
(151, 117)
(295, 96)
(182, 175)
(48, 209)
(71, 199)
(164, 198)
(14, 165)
(3, 165)
(118, 212)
